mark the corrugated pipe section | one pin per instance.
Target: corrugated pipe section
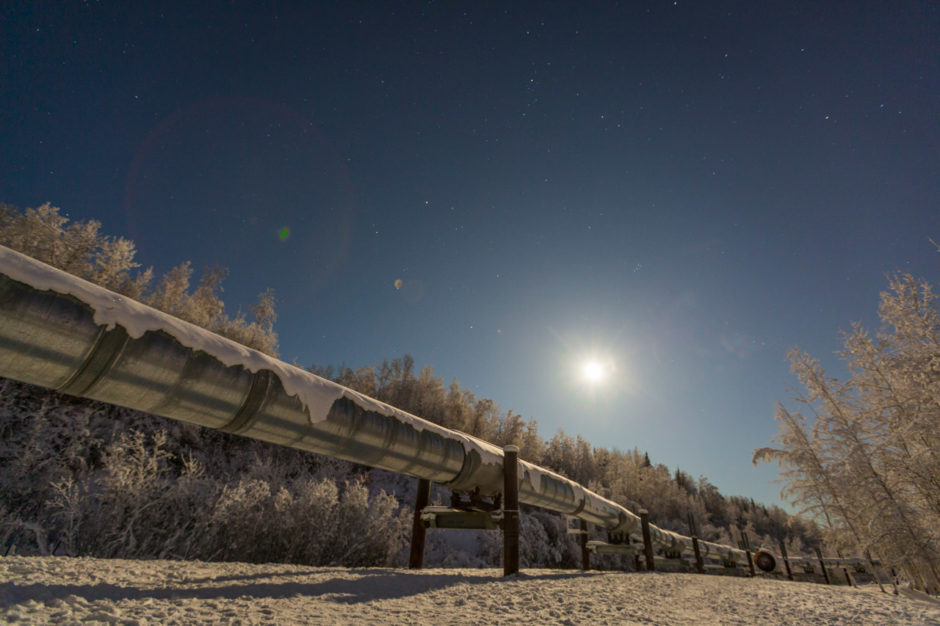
(61, 332)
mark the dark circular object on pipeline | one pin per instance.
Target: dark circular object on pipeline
(765, 561)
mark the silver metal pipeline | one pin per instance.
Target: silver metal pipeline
(64, 333)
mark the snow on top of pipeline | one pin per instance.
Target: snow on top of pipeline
(112, 309)
(315, 393)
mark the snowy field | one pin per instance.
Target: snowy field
(65, 590)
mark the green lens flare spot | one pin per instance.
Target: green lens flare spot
(284, 233)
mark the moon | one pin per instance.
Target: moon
(593, 371)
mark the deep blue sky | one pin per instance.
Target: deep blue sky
(686, 189)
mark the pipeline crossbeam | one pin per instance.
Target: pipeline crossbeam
(64, 333)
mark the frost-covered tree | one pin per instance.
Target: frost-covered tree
(865, 461)
(93, 479)
(80, 249)
(77, 248)
(172, 292)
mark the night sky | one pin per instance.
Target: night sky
(680, 191)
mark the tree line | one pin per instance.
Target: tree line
(626, 477)
(105, 481)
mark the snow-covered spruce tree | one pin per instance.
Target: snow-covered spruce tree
(868, 465)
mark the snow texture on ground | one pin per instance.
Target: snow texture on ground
(70, 590)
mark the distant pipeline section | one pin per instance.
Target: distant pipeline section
(64, 333)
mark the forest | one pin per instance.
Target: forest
(84, 478)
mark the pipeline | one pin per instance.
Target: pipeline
(64, 333)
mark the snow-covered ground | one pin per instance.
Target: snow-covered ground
(65, 590)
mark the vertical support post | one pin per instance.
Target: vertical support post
(699, 563)
(418, 531)
(747, 551)
(874, 572)
(786, 558)
(750, 563)
(510, 510)
(585, 555)
(647, 540)
(848, 577)
(823, 566)
(845, 570)
(693, 532)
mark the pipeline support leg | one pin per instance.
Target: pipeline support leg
(823, 566)
(786, 559)
(874, 572)
(418, 531)
(585, 555)
(848, 577)
(647, 540)
(747, 552)
(699, 563)
(510, 510)
(693, 533)
(845, 570)
(750, 563)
